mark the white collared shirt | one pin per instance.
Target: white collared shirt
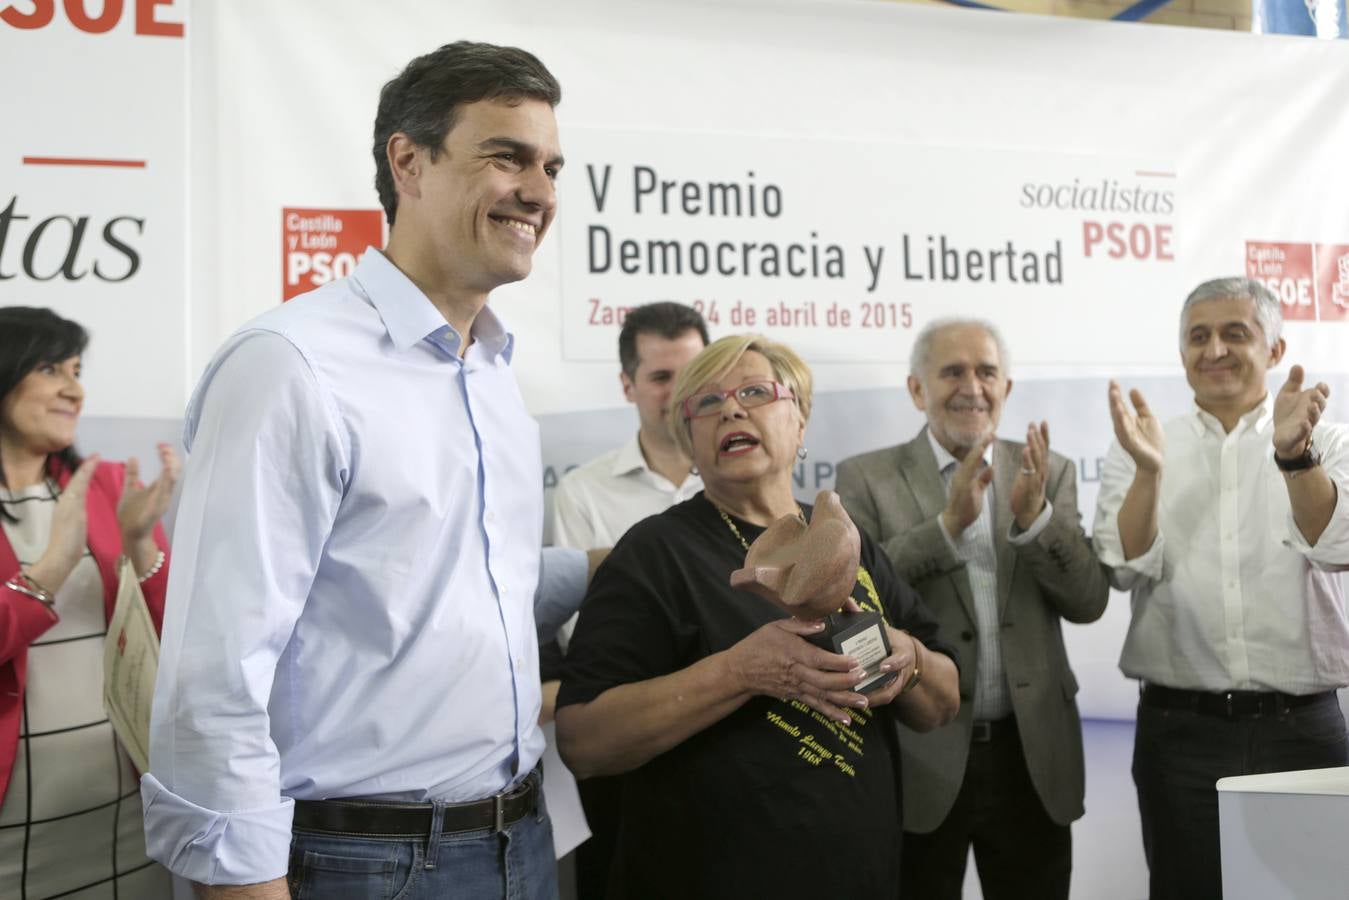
(975, 546)
(597, 502)
(355, 556)
(1230, 596)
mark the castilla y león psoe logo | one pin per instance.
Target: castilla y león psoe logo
(322, 245)
(1310, 280)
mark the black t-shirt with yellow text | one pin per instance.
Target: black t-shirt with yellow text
(775, 800)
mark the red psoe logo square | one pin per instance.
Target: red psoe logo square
(1332, 281)
(322, 245)
(1286, 269)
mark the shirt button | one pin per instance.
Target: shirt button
(519, 664)
(491, 517)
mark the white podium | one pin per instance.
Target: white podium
(1285, 835)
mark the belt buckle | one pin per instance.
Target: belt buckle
(983, 733)
(499, 812)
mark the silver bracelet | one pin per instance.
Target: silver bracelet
(24, 584)
(154, 570)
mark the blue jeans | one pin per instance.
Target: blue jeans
(515, 864)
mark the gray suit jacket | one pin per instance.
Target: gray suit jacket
(896, 495)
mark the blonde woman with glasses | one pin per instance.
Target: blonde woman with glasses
(752, 763)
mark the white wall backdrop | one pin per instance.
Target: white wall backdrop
(93, 171)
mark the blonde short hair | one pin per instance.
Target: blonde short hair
(717, 358)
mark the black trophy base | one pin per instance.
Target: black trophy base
(862, 636)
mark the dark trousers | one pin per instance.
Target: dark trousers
(1019, 851)
(1179, 755)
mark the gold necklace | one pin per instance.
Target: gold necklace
(735, 531)
(800, 514)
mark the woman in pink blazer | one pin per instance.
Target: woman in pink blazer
(69, 800)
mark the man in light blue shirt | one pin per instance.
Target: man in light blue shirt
(357, 543)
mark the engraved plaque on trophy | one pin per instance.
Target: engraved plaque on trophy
(809, 570)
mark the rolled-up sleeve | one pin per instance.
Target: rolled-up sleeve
(1116, 477)
(1331, 551)
(260, 492)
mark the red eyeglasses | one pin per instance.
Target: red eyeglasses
(756, 393)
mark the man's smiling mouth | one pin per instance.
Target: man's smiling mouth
(527, 228)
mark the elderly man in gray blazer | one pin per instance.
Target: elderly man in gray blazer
(989, 533)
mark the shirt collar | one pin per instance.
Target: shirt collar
(1254, 420)
(629, 459)
(410, 317)
(944, 457)
(490, 330)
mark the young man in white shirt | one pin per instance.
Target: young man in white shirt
(1227, 524)
(598, 501)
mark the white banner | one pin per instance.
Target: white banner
(846, 267)
(1130, 162)
(93, 205)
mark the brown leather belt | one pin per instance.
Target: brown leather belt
(1228, 704)
(381, 818)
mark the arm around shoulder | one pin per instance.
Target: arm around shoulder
(563, 575)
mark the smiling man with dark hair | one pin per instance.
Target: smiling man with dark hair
(349, 691)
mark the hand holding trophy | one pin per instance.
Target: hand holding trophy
(808, 570)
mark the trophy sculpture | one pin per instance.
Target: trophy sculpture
(808, 571)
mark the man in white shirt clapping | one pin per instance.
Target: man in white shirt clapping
(1227, 524)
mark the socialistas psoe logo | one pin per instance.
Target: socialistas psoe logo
(44, 246)
(1123, 218)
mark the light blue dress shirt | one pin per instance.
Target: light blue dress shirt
(355, 558)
